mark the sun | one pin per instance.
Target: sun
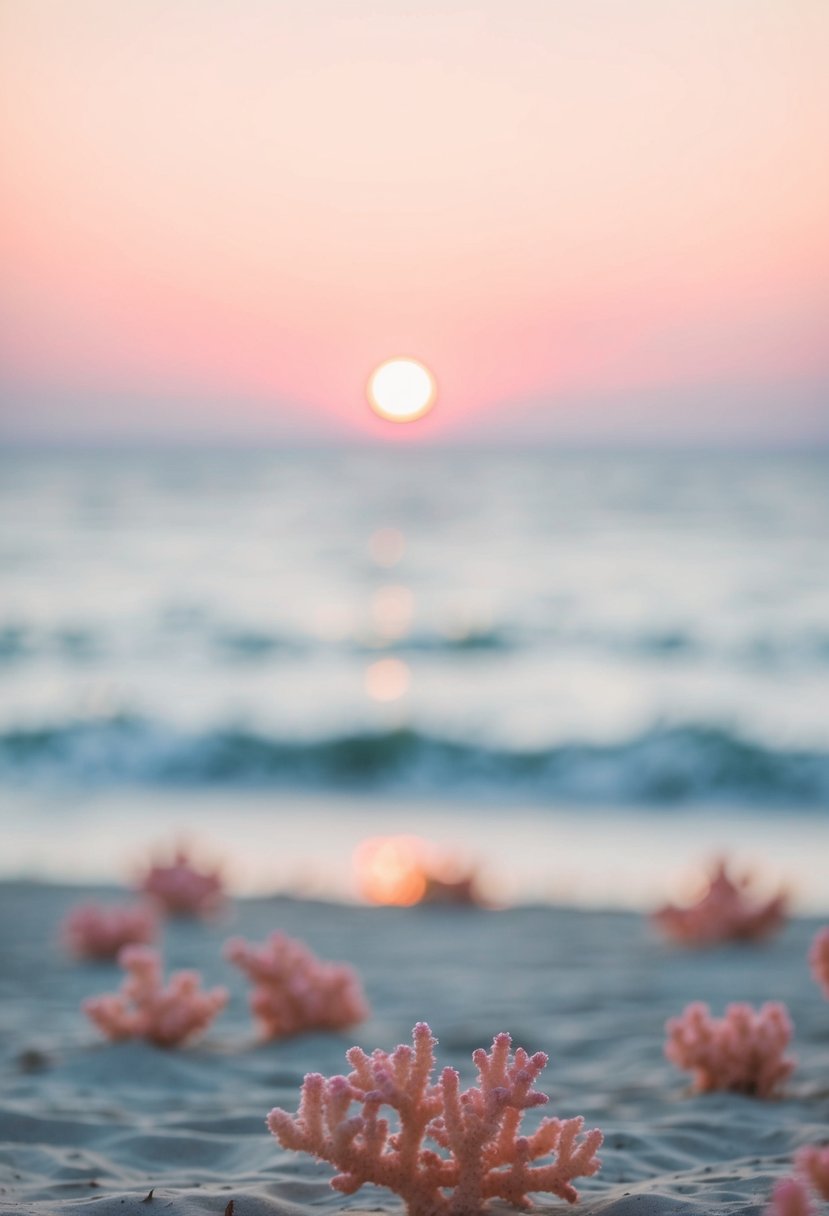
(401, 390)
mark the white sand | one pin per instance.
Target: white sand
(86, 1127)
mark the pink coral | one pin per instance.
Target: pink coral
(295, 991)
(483, 1156)
(180, 889)
(725, 912)
(793, 1196)
(96, 931)
(790, 1198)
(819, 959)
(813, 1164)
(144, 1009)
(742, 1052)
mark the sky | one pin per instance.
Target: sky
(593, 220)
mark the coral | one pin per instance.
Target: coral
(742, 1052)
(182, 890)
(97, 931)
(813, 1164)
(725, 912)
(144, 1009)
(790, 1198)
(819, 959)
(294, 991)
(793, 1196)
(461, 891)
(483, 1155)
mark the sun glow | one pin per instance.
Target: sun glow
(390, 870)
(401, 390)
(406, 870)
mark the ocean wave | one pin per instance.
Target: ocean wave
(664, 765)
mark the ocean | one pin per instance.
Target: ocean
(468, 636)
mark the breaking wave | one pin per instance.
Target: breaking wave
(664, 765)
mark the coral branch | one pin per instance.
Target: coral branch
(96, 931)
(144, 1009)
(294, 991)
(483, 1156)
(742, 1052)
(813, 1164)
(819, 959)
(725, 912)
(790, 1198)
(179, 889)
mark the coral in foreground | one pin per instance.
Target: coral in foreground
(294, 991)
(144, 1009)
(819, 959)
(790, 1197)
(744, 1051)
(99, 931)
(483, 1155)
(793, 1196)
(725, 912)
(180, 889)
(813, 1164)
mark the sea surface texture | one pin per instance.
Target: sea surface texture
(614, 629)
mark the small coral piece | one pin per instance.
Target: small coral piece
(813, 1164)
(294, 991)
(742, 1052)
(180, 889)
(483, 1155)
(819, 959)
(793, 1196)
(724, 913)
(790, 1198)
(98, 931)
(458, 891)
(144, 1009)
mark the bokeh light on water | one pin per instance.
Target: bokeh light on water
(387, 680)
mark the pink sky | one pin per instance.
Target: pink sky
(593, 219)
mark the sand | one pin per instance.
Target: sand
(88, 1127)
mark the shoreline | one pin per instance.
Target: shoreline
(302, 843)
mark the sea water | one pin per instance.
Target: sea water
(442, 639)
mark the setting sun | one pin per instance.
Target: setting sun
(401, 390)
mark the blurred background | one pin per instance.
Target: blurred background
(572, 626)
(579, 671)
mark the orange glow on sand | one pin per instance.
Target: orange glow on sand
(390, 870)
(407, 870)
(401, 390)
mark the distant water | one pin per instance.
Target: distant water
(615, 629)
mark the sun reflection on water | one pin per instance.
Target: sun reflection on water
(387, 680)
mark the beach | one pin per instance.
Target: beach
(92, 1127)
(414, 609)
(584, 677)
